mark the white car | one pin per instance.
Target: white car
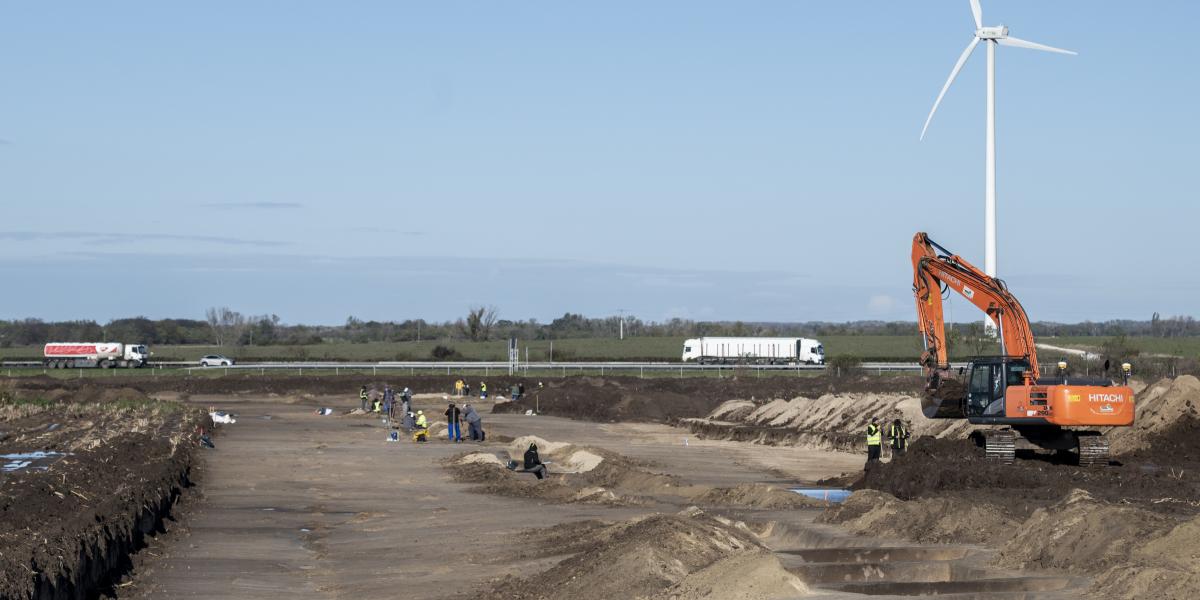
(216, 360)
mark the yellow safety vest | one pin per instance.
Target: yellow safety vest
(483, 387)
(874, 437)
(421, 422)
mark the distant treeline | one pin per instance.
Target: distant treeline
(227, 327)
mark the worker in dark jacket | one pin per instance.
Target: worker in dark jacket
(898, 434)
(474, 423)
(454, 421)
(874, 441)
(533, 463)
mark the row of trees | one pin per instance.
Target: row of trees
(226, 327)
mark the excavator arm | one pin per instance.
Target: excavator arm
(934, 267)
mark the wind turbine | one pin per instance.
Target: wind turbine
(994, 36)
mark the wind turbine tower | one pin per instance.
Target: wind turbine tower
(993, 37)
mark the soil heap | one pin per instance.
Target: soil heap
(1133, 525)
(112, 464)
(684, 556)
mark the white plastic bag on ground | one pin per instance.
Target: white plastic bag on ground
(222, 417)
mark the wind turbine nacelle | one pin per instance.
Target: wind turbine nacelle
(992, 33)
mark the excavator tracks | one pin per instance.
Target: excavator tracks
(1093, 450)
(1001, 446)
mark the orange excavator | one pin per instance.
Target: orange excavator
(1008, 391)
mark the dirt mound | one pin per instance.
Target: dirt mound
(756, 495)
(1079, 534)
(97, 471)
(1164, 568)
(576, 474)
(954, 517)
(932, 467)
(665, 399)
(733, 410)
(1160, 408)
(683, 556)
(828, 421)
(1134, 553)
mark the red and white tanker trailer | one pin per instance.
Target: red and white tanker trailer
(80, 355)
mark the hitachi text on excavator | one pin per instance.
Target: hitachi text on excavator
(1007, 391)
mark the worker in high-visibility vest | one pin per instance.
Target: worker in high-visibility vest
(874, 441)
(363, 398)
(898, 435)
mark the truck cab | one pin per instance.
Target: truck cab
(810, 352)
(136, 355)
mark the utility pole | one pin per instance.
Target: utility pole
(621, 327)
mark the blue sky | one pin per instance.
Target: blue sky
(754, 161)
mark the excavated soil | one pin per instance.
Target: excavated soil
(684, 556)
(118, 461)
(611, 399)
(932, 467)
(1134, 526)
(597, 476)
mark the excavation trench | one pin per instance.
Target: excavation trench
(834, 562)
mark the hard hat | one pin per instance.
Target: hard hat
(420, 412)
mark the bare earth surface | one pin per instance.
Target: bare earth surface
(297, 505)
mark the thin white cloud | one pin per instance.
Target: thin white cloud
(252, 205)
(114, 237)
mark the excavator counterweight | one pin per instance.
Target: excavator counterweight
(1007, 390)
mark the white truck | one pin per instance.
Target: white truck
(81, 355)
(773, 350)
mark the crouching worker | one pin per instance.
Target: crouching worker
(421, 434)
(533, 463)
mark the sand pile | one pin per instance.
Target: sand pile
(1161, 567)
(829, 421)
(480, 458)
(690, 555)
(755, 495)
(950, 518)
(666, 400)
(576, 474)
(1134, 553)
(1160, 408)
(1079, 534)
(733, 410)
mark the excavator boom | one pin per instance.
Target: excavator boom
(934, 267)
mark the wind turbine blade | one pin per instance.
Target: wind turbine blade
(977, 12)
(1020, 43)
(954, 73)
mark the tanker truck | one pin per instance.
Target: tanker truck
(85, 355)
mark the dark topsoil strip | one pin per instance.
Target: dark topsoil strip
(665, 399)
(934, 467)
(68, 532)
(607, 399)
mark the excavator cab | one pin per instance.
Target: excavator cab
(988, 383)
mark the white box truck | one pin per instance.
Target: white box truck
(82, 355)
(754, 350)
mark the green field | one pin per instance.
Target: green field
(1188, 347)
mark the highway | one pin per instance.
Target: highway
(449, 367)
